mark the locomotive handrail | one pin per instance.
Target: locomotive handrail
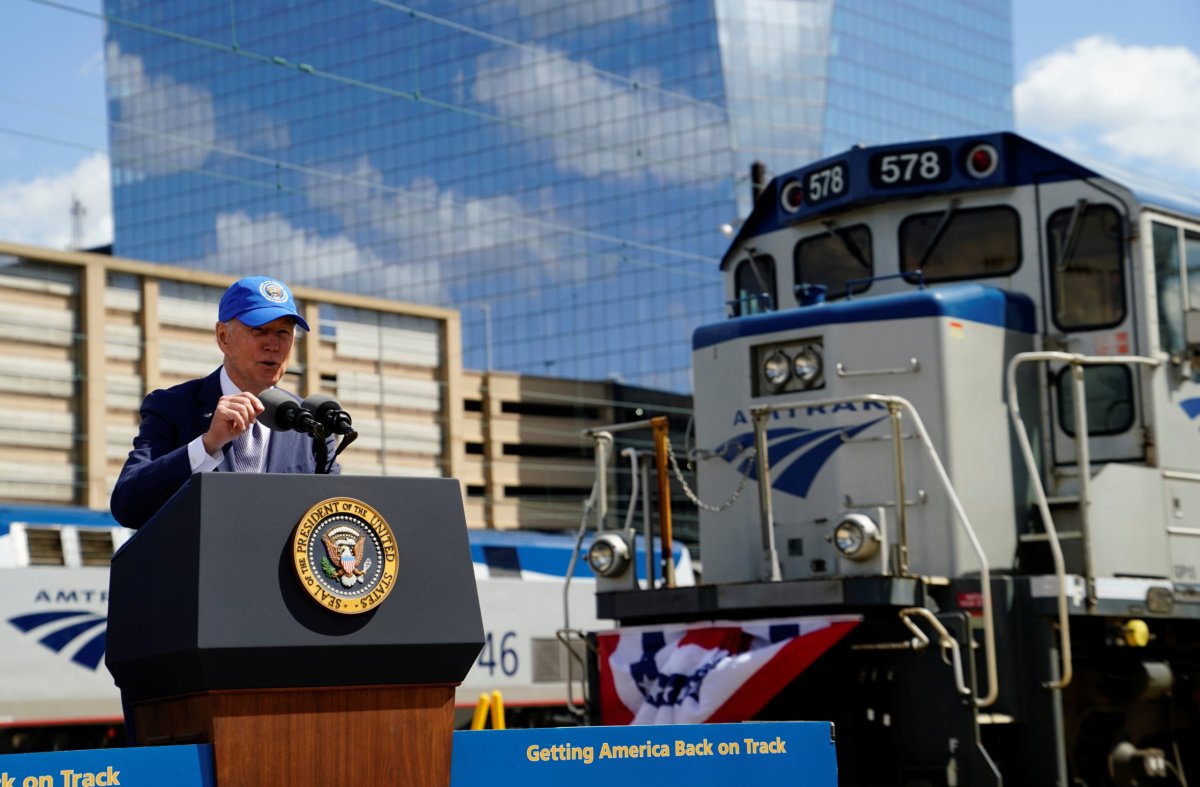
(908, 276)
(659, 428)
(564, 636)
(761, 298)
(914, 366)
(635, 486)
(1082, 459)
(759, 414)
(920, 641)
(603, 444)
(946, 641)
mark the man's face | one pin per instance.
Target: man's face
(256, 358)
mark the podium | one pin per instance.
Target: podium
(215, 636)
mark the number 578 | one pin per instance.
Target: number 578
(907, 167)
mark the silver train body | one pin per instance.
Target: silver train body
(910, 327)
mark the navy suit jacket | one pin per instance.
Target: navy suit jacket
(158, 466)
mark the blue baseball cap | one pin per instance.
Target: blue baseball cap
(256, 300)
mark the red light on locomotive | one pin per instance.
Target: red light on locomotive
(792, 196)
(982, 160)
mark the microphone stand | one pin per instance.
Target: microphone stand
(320, 448)
(348, 437)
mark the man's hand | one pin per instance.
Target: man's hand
(233, 415)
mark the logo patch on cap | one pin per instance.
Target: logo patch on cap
(273, 291)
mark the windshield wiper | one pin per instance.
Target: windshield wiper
(938, 232)
(765, 295)
(848, 243)
(1068, 241)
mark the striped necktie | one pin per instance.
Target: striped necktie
(247, 450)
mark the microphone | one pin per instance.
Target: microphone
(282, 413)
(327, 412)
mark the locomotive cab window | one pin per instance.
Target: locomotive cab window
(1177, 282)
(754, 286)
(834, 259)
(1084, 244)
(956, 244)
(1108, 392)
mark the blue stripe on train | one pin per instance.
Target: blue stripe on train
(510, 552)
(53, 515)
(970, 302)
(504, 552)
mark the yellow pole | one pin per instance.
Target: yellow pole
(481, 712)
(497, 710)
(660, 428)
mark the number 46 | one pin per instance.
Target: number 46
(508, 657)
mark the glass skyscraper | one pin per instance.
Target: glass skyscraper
(557, 170)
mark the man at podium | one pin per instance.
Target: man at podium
(213, 424)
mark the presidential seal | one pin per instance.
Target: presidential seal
(273, 291)
(345, 555)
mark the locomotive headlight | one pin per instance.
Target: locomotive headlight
(776, 368)
(806, 365)
(608, 556)
(856, 537)
(792, 365)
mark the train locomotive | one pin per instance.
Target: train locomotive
(958, 387)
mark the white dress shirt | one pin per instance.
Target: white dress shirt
(201, 460)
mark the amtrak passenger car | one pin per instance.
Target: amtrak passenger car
(55, 692)
(909, 331)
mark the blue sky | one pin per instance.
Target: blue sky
(1110, 79)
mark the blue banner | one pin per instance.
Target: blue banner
(703, 754)
(155, 766)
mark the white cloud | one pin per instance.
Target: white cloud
(38, 211)
(596, 125)
(252, 130)
(161, 126)
(271, 245)
(794, 30)
(272, 242)
(423, 221)
(1138, 103)
(548, 17)
(395, 242)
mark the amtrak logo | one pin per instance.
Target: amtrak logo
(795, 454)
(58, 631)
(1191, 407)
